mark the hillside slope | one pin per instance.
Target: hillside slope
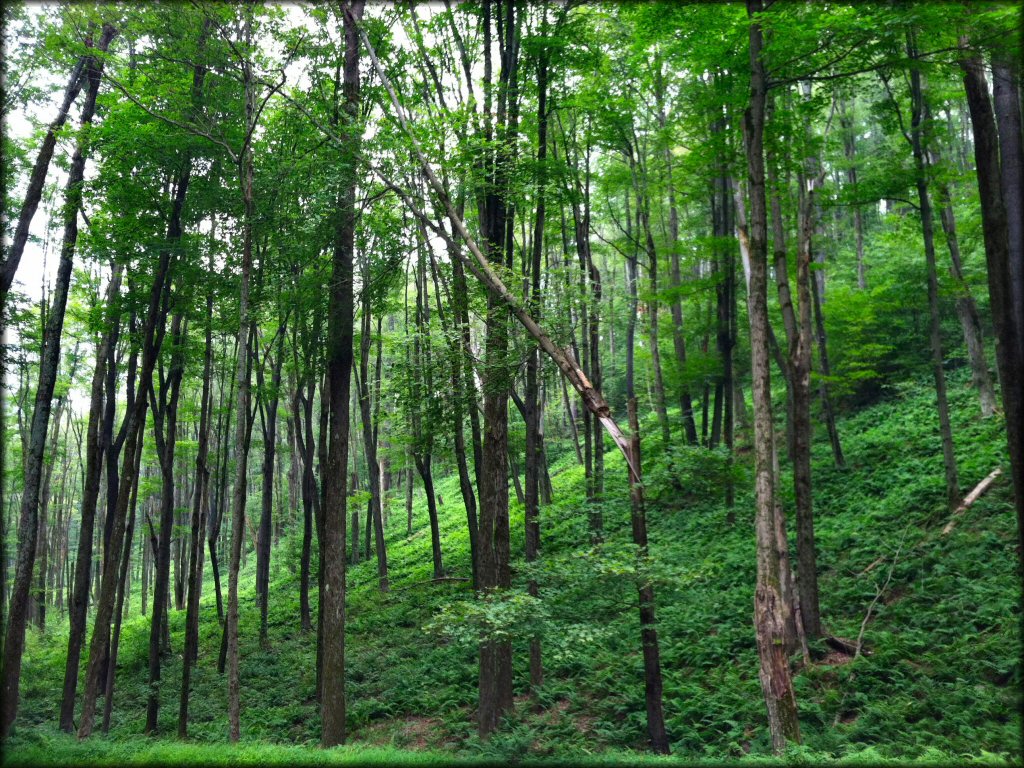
(939, 678)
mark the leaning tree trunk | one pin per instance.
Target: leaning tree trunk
(34, 193)
(967, 309)
(14, 640)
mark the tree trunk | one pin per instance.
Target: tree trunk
(533, 403)
(304, 422)
(165, 418)
(200, 501)
(263, 539)
(846, 122)
(918, 116)
(967, 310)
(769, 609)
(370, 443)
(675, 276)
(33, 194)
(1006, 84)
(423, 466)
(14, 640)
(800, 366)
(1002, 258)
(465, 399)
(648, 629)
(122, 594)
(242, 425)
(339, 367)
(79, 604)
(408, 494)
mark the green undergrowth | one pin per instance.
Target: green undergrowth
(938, 680)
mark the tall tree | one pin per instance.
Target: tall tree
(14, 639)
(770, 610)
(339, 368)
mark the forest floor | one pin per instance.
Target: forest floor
(938, 680)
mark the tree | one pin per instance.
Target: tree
(770, 611)
(14, 639)
(339, 367)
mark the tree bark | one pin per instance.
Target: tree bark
(769, 608)
(1002, 259)
(533, 404)
(800, 365)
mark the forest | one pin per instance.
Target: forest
(492, 381)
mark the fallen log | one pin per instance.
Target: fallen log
(970, 498)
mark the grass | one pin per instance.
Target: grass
(939, 680)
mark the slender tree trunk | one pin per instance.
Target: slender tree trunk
(213, 530)
(242, 426)
(648, 629)
(533, 403)
(824, 391)
(263, 539)
(465, 399)
(967, 310)
(199, 504)
(34, 193)
(165, 418)
(643, 209)
(800, 365)
(423, 466)
(846, 122)
(918, 116)
(122, 594)
(79, 604)
(304, 421)
(675, 277)
(339, 366)
(370, 443)
(769, 608)
(14, 639)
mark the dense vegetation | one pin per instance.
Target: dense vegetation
(449, 382)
